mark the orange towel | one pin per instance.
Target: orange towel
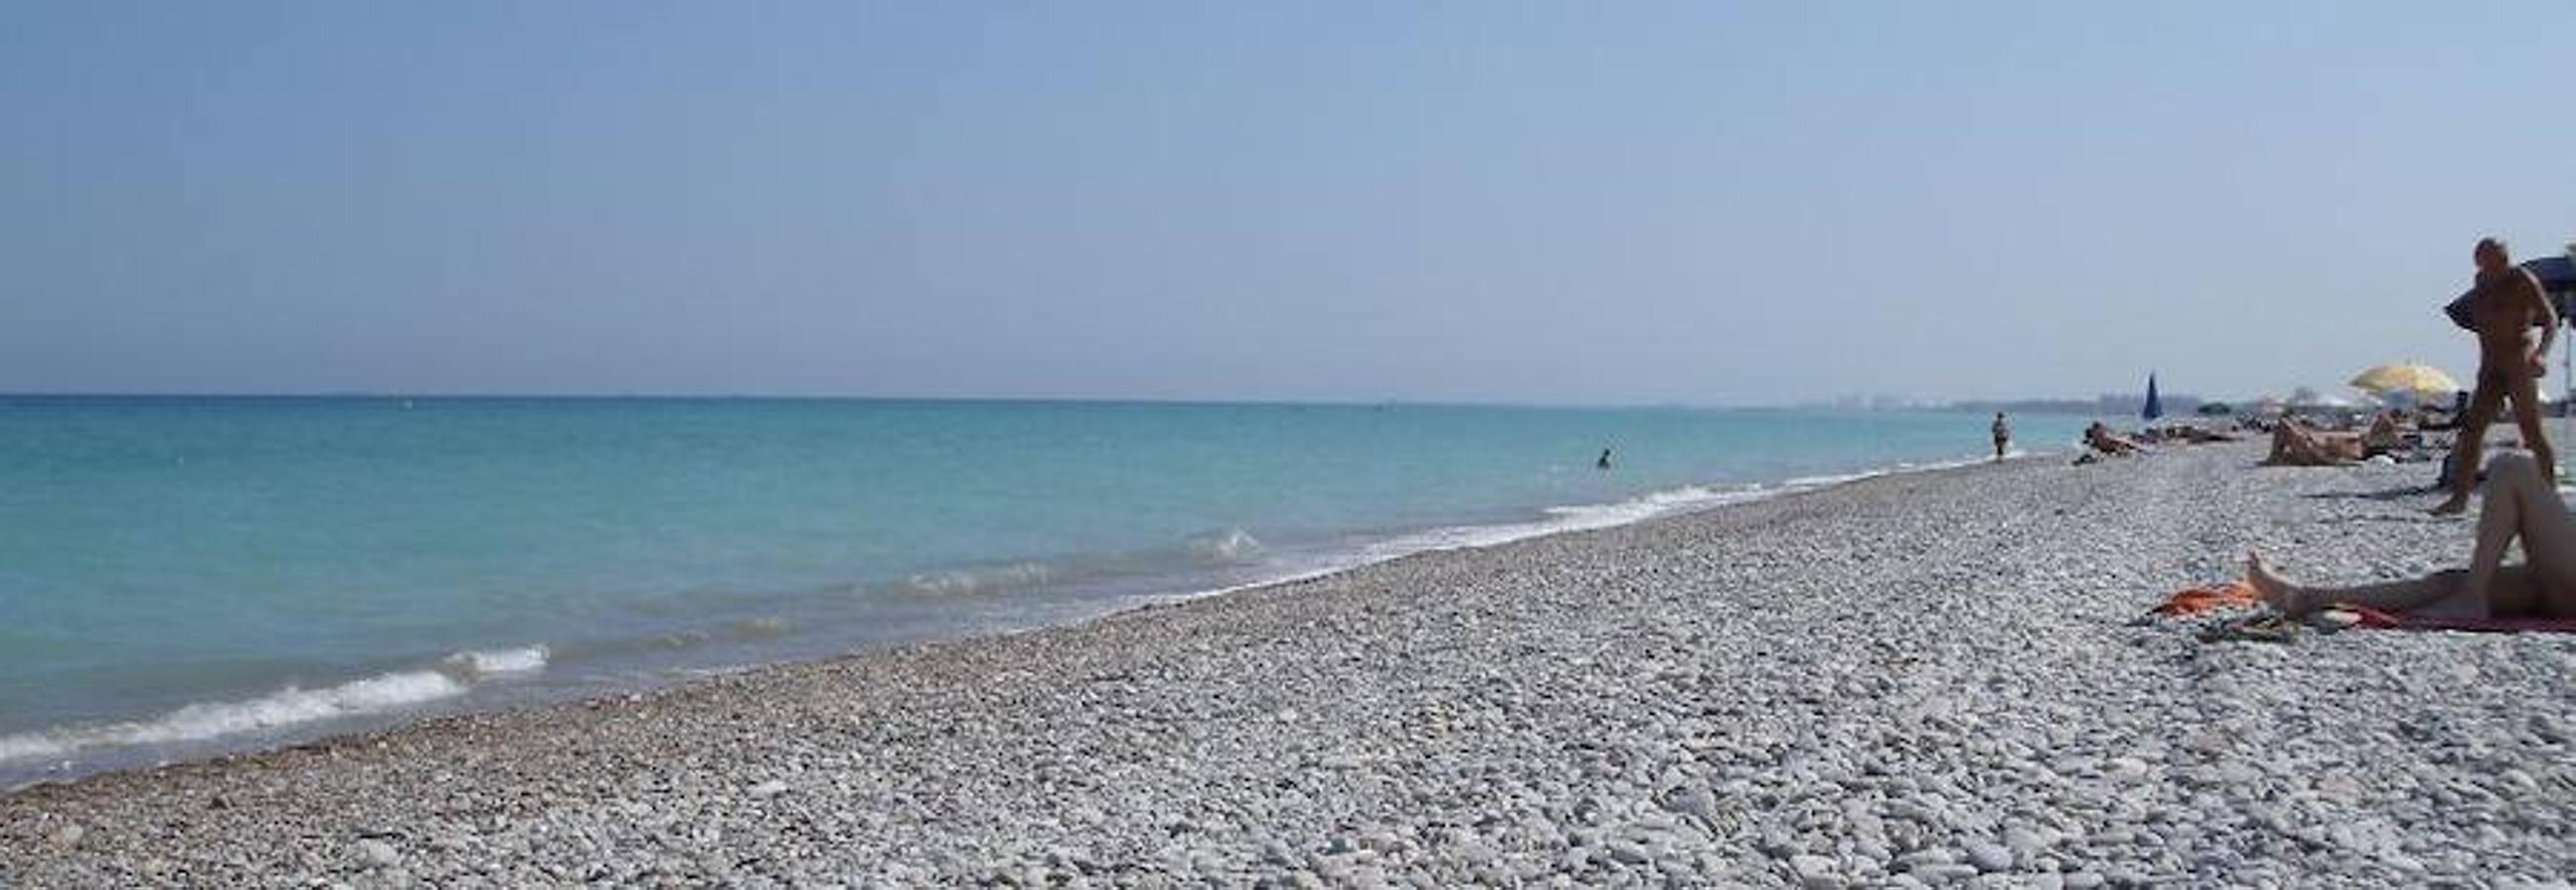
(2209, 598)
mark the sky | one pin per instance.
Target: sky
(1635, 203)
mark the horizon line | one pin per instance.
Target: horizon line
(1901, 402)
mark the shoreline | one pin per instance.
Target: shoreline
(1141, 606)
(448, 686)
(1885, 681)
(1510, 533)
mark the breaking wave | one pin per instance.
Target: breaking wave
(1232, 546)
(286, 708)
(975, 582)
(499, 662)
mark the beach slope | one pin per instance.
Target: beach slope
(1913, 678)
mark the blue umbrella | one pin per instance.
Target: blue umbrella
(2155, 406)
(2557, 275)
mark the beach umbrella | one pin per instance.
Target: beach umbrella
(2405, 377)
(2155, 406)
(2557, 275)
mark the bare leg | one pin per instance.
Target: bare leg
(2535, 437)
(2500, 520)
(2472, 444)
(2294, 599)
(2520, 504)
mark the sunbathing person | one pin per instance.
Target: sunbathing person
(2384, 435)
(2101, 438)
(2294, 445)
(2520, 503)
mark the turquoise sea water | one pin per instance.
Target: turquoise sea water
(183, 575)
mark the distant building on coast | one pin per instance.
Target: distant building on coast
(2125, 404)
(2106, 405)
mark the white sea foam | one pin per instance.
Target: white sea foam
(1231, 546)
(1641, 507)
(291, 706)
(1576, 517)
(966, 582)
(1831, 479)
(209, 720)
(476, 664)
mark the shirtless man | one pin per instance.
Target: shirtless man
(2506, 301)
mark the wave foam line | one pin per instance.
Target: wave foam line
(1580, 517)
(286, 707)
(478, 664)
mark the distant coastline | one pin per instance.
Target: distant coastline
(2106, 405)
(2100, 405)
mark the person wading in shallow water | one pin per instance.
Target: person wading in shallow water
(1604, 462)
(2505, 302)
(2003, 435)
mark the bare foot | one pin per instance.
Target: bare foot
(2282, 594)
(2458, 504)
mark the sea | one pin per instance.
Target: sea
(186, 576)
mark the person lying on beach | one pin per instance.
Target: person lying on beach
(2387, 433)
(2522, 503)
(2295, 445)
(2100, 438)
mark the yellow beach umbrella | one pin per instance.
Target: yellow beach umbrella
(2406, 377)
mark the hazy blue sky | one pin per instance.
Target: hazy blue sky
(1616, 202)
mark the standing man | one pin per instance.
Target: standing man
(2003, 435)
(2505, 302)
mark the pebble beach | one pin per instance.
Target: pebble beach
(1922, 679)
